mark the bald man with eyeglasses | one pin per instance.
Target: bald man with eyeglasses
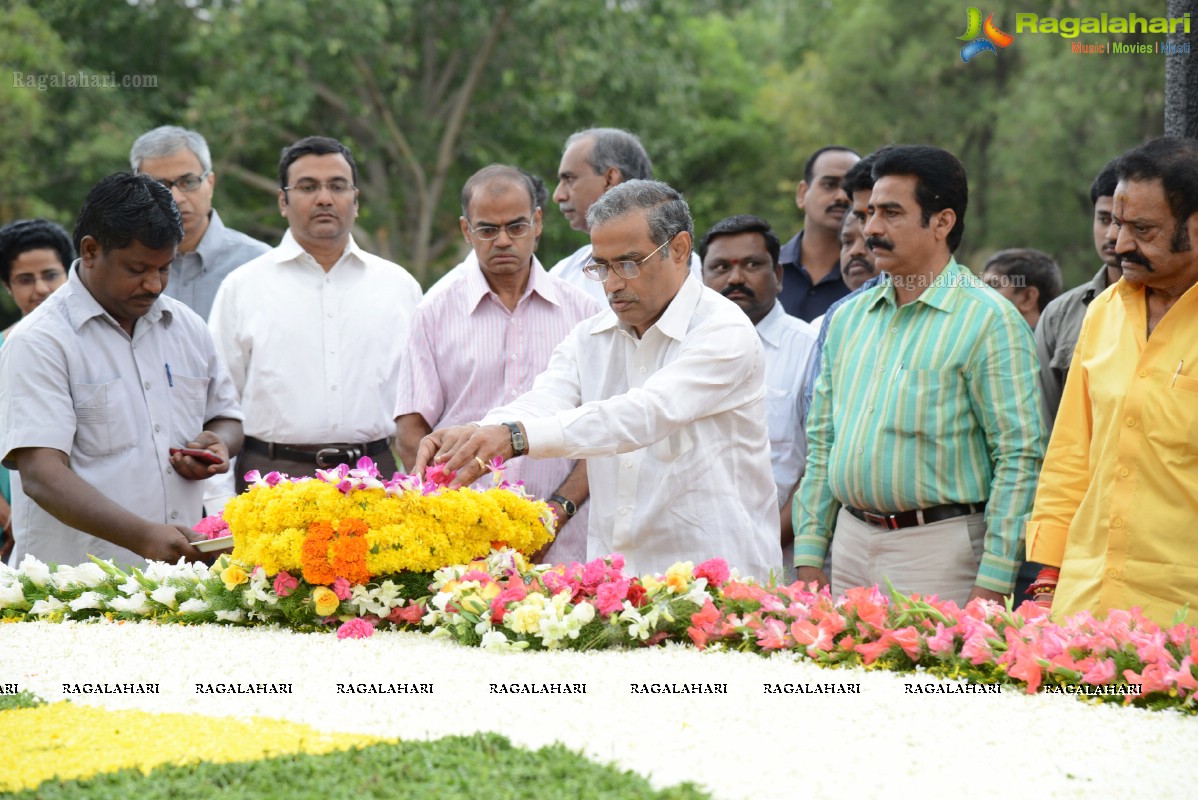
(482, 339)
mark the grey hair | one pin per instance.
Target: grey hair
(164, 141)
(668, 214)
(617, 148)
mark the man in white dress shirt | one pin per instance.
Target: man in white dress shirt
(313, 331)
(482, 339)
(101, 381)
(595, 160)
(663, 395)
(740, 261)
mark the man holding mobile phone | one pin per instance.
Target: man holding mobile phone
(101, 382)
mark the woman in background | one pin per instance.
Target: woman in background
(35, 255)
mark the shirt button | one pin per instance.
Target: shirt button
(642, 370)
(860, 450)
(333, 387)
(627, 465)
(1143, 373)
(513, 356)
(1124, 472)
(330, 315)
(1131, 422)
(1117, 522)
(894, 330)
(174, 515)
(157, 428)
(623, 512)
(1112, 573)
(870, 408)
(169, 471)
(513, 392)
(146, 384)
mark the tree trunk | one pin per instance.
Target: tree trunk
(1181, 77)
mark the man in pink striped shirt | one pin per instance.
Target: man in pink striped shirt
(480, 343)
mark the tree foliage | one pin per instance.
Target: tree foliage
(729, 98)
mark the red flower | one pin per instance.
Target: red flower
(636, 594)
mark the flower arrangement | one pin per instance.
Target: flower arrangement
(501, 601)
(349, 523)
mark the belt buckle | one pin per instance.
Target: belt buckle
(880, 520)
(322, 453)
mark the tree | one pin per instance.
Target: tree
(1181, 78)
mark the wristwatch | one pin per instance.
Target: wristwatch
(519, 443)
(567, 505)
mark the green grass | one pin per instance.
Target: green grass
(466, 767)
(19, 700)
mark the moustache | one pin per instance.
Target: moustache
(878, 243)
(835, 206)
(623, 296)
(859, 261)
(739, 288)
(1136, 257)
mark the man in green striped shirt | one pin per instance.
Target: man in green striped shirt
(925, 433)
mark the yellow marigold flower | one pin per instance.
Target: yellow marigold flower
(325, 601)
(233, 576)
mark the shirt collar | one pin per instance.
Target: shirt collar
(1095, 287)
(770, 327)
(477, 288)
(941, 295)
(213, 239)
(290, 250)
(674, 322)
(82, 306)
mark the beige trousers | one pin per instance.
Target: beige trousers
(941, 558)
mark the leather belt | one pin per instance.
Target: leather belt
(323, 455)
(920, 516)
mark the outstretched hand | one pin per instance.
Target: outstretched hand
(464, 451)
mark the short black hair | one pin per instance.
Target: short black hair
(809, 167)
(24, 235)
(124, 207)
(940, 181)
(742, 223)
(1036, 267)
(540, 191)
(1104, 185)
(313, 146)
(1173, 160)
(860, 176)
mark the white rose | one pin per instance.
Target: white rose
(12, 596)
(43, 608)
(193, 606)
(90, 575)
(35, 571)
(165, 595)
(137, 604)
(87, 600)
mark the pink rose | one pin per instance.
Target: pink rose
(285, 584)
(342, 589)
(356, 628)
(715, 570)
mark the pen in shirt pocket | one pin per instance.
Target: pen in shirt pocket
(1177, 372)
(170, 379)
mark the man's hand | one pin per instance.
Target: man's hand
(194, 469)
(464, 450)
(817, 574)
(987, 594)
(168, 543)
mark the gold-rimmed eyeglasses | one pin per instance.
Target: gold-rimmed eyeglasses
(625, 269)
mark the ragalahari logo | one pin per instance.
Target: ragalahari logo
(990, 37)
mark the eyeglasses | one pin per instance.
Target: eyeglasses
(187, 183)
(625, 269)
(751, 266)
(312, 188)
(29, 280)
(516, 230)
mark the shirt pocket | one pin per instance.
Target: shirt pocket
(781, 416)
(189, 401)
(103, 418)
(927, 402)
(1179, 411)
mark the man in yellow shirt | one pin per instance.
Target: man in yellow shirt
(1117, 503)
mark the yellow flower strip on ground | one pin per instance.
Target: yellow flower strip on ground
(64, 741)
(409, 531)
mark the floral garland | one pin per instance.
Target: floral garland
(349, 523)
(501, 601)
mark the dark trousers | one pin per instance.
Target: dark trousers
(384, 461)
